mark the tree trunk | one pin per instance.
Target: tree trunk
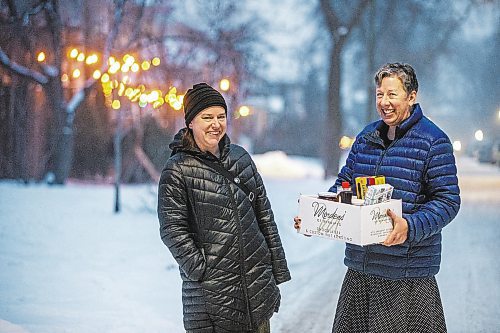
(339, 33)
(370, 49)
(63, 119)
(333, 124)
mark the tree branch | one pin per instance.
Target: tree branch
(33, 11)
(80, 95)
(21, 70)
(332, 20)
(12, 8)
(114, 30)
(334, 24)
(358, 13)
(452, 28)
(137, 27)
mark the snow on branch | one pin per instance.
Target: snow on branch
(21, 70)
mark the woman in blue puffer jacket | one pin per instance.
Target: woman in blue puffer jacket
(390, 287)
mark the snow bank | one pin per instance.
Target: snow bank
(278, 165)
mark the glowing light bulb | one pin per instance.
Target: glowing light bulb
(97, 74)
(116, 104)
(105, 78)
(345, 142)
(224, 84)
(479, 135)
(244, 111)
(76, 73)
(40, 57)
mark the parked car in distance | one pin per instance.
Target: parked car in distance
(483, 152)
(495, 152)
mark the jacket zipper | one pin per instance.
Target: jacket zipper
(242, 261)
(377, 168)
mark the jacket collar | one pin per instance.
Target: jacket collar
(408, 123)
(380, 127)
(177, 145)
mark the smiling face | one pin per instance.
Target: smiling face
(209, 126)
(393, 102)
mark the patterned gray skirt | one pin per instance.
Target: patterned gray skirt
(369, 304)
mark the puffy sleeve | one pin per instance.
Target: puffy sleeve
(267, 225)
(442, 192)
(176, 225)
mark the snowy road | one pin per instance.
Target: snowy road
(68, 264)
(469, 279)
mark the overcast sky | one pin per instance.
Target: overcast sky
(290, 26)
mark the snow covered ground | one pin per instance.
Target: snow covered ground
(69, 264)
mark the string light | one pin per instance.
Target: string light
(244, 111)
(76, 73)
(114, 67)
(105, 78)
(128, 63)
(121, 89)
(345, 142)
(116, 104)
(125, 68)
(97, 74)
(155, 61)
(91, 59)
(128, 59)
(41, 57)
(224, 84)
(145, 65)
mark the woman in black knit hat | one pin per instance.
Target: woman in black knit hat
(217, 222)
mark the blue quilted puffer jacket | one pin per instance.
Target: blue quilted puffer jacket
(419, 163)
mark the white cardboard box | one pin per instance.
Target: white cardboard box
(361, 225)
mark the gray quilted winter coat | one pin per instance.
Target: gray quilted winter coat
(230, 256)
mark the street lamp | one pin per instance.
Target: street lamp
(479, 135)
(457, 145)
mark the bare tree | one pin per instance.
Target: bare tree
(339, 34)
(61, 142)
(221, 47)
(414, 31)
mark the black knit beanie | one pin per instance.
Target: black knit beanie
(200, 97)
